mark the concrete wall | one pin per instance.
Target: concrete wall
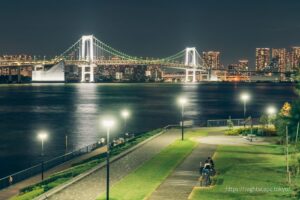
(54, 74)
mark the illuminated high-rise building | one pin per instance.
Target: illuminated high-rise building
(289, 61)
(295, 58)
(212, 59)
(262, 58)
(280, 55)
(243, 65)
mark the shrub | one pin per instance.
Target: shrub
(232, 132)
(268, 131)
(230, 124)
(29, 195)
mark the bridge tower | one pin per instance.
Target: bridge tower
(86, 53)
(190, 60)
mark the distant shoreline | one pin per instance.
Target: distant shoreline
(202, 82)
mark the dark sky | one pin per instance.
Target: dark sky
(154, 28)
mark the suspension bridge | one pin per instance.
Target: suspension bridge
(89, 52)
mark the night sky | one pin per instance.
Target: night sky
(154, 28)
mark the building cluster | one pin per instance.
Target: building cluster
(280, 59)
(212, 59)
(275, 59)
(268, 62)
(21, 57)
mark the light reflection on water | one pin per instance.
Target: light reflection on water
(86, 115)
(76, 109)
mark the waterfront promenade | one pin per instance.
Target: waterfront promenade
(14, 189)
(177, 185)
(92, 185)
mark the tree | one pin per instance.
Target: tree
(263, 120)
(294, 118)
(286, 109)
(282, 120)
(230, 124)
(286, 123)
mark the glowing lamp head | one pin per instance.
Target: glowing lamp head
(245, 97)
(42, 136)
(108, 123)
(271, 110)
(125, 114)
(182, 100)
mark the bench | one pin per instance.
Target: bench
(250, 137)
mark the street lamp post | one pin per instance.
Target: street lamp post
(182, 101)
(108, 123)
(42, 136)
(245, 98)
(125, 114)
(270, 111)
(66, 143)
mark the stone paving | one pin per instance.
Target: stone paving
(91, 186)
(180, 183)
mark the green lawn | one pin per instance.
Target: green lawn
(248, 172)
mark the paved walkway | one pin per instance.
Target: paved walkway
(14, 189)
(91, 186)
(233, 140)
(180, 183)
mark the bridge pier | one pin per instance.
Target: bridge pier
(82, 74)
(9, 75)
(90, 73)
(19, 74)
(194, 76)
(187, 75)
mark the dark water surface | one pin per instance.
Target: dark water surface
(76, 109)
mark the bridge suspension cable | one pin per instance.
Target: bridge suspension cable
(102, 51)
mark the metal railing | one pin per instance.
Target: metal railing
(236, 122)
(37, 169)
(224, 122)
(46, 165)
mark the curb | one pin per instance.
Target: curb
(57, 189)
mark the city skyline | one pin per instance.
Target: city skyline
(131, 99)
(287, 59)
(236, 31)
